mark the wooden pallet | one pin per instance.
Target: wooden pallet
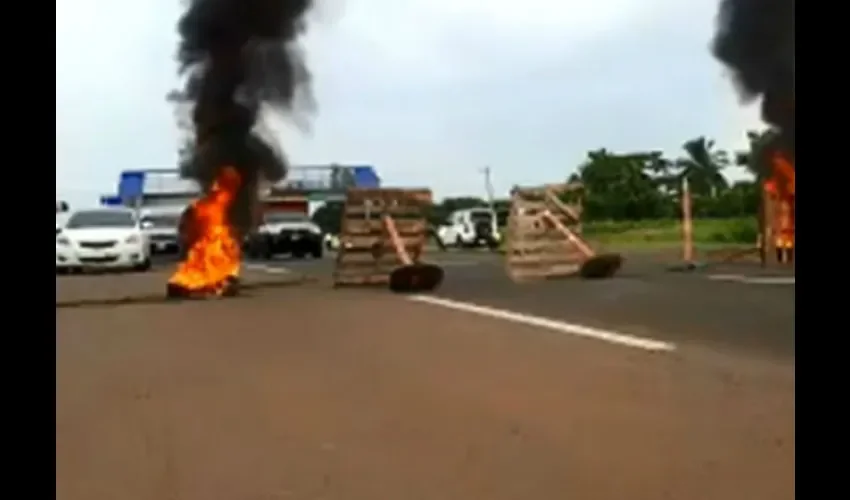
(366, 256)
(534, 249)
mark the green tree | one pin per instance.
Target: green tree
(622, 186)
(329, 216)
(703, 167)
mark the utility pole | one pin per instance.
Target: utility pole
(488, 186)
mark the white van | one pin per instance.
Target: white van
(471, 227)
(160, 224)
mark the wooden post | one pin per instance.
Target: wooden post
(687, 224)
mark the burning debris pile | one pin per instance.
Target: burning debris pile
(755, 40)
(237, 56)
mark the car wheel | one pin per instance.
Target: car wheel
(438, 240)
(144, 266)
(317, 252)
(268, 250)
(459, 242)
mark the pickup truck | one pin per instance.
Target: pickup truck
(284, 232)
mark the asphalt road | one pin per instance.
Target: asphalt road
(305, 392)
(295, 390)
(644, 299)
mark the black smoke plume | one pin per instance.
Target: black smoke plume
(237, 55)
(755, 40)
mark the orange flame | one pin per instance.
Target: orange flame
(784, 171)
(782, 187)
(215, 254)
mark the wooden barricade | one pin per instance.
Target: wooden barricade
(534, 249)
(366, 255)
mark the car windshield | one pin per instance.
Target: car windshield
(100, 218)
(278, 217)
(481, 216)
(162, 220)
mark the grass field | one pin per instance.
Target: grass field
(667, 233)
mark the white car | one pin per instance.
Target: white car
(470, 228)
(160, 224)
(102, 238)
(61, 218)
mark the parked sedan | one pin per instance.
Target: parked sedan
(104, 238)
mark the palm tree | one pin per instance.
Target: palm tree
(703, 167)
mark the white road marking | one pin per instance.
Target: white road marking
(771, 280)
(267, 269)
(725, 277)
(753, 280)
(609, 336)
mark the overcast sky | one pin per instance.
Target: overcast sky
(427, 91)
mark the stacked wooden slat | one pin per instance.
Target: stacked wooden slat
(534, 249)
(366, 255)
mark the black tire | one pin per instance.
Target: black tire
(317, 252)
(143, 267)
(459, 242)
(267, 249)
(260, 248)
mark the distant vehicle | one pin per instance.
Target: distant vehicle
(471, 227)
(160, 224)
(105, 238)
(61, 219)
(283, 232)
(333, 242)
